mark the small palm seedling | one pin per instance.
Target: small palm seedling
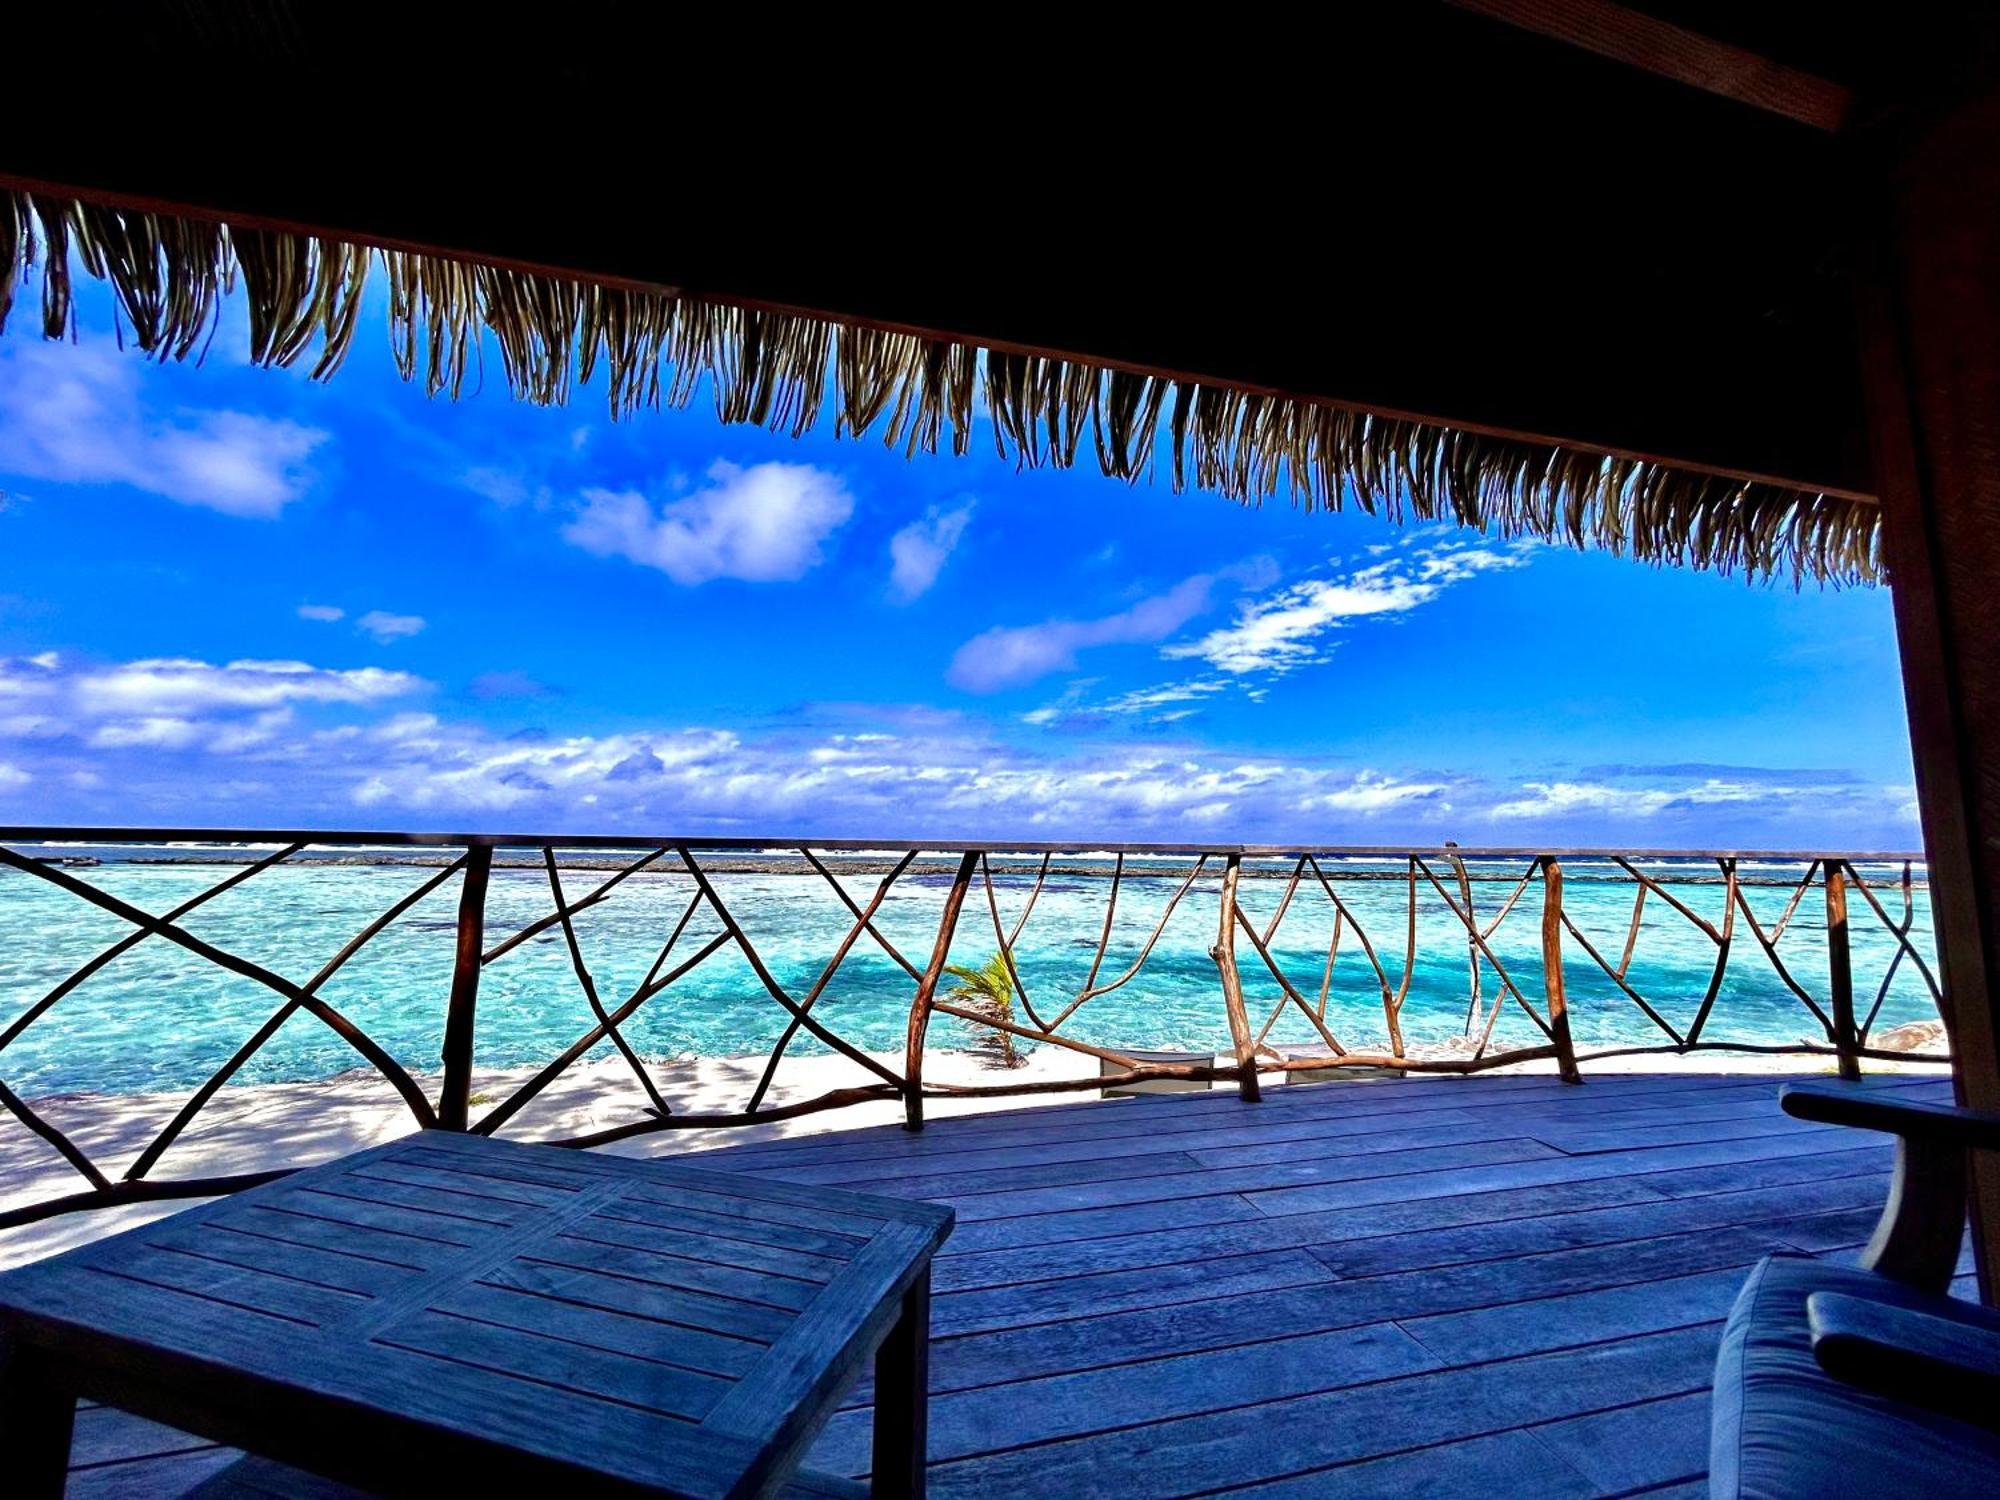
(988, 992)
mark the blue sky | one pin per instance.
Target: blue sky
(233, 596)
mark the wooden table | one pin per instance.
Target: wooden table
(452, 1311)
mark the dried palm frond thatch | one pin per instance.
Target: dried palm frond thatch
(171, 275)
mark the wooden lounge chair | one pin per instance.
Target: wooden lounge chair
(1869, 1379)
(1106, 1068)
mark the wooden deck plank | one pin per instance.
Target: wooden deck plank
(1039, 1347)
(1077, 1226)
(1378, 1255)
(1223, 1109)
(1025, 1168)
(1443, 1286)
(1637, 1447)
(1217, 1450)
(987, 1309)
(992, 1418)
(106, 1435)
(1475, 1469)
(1532, 1170)
(1617, 1312)
(990, 1269)
(1325, 1177)
(1379, 1133)
(153, 1478)
(1642, 1134)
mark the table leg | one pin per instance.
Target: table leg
(902, 1398)
(36, 1415)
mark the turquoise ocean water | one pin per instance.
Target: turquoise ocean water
(159, 1018)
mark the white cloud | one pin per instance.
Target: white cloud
(189, 740)
(325, 613)
(1373, 792)
(1548, 799)
(155, 732)
(177, 685)
(385, 627)
(507, 487)
(766, 523)
(1010, 655)
(1146, 700)
(74, 414)
(1168, 703)
(258, 733)
(1289, 628)
(917, 553)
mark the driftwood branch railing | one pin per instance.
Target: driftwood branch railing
(1523, 998)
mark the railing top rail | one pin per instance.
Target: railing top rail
(347, 837)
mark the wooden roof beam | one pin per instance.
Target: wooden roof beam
(1646, 42)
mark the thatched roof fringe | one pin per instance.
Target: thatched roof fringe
(17, 249)
(170, 277)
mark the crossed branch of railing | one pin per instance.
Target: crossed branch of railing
(1307, 887)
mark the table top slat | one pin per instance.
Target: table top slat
(327, 1268)
(242, 1286)
(685, 1194)
(702, 1350)
(441, 1151)
(824, 1246)
(517, 1354)
(602, 1287)
(404, 1250)
(449, 1203)
(414, 1173)
(341, 1208)
(605, 1244)
(723, 1249)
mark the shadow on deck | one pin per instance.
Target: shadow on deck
(1457, 1286)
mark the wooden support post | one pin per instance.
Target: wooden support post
(1552, 969)
(1840, 971)
(902, 1399)
(1224, 954)
(1929, 305)
(37, 1414)
(920, 1007)
(455, 1095)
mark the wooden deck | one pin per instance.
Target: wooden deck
(1459, 1286)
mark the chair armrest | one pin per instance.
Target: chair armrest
(1945, 1124)
(1932, 1360)
(1923, 1221)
